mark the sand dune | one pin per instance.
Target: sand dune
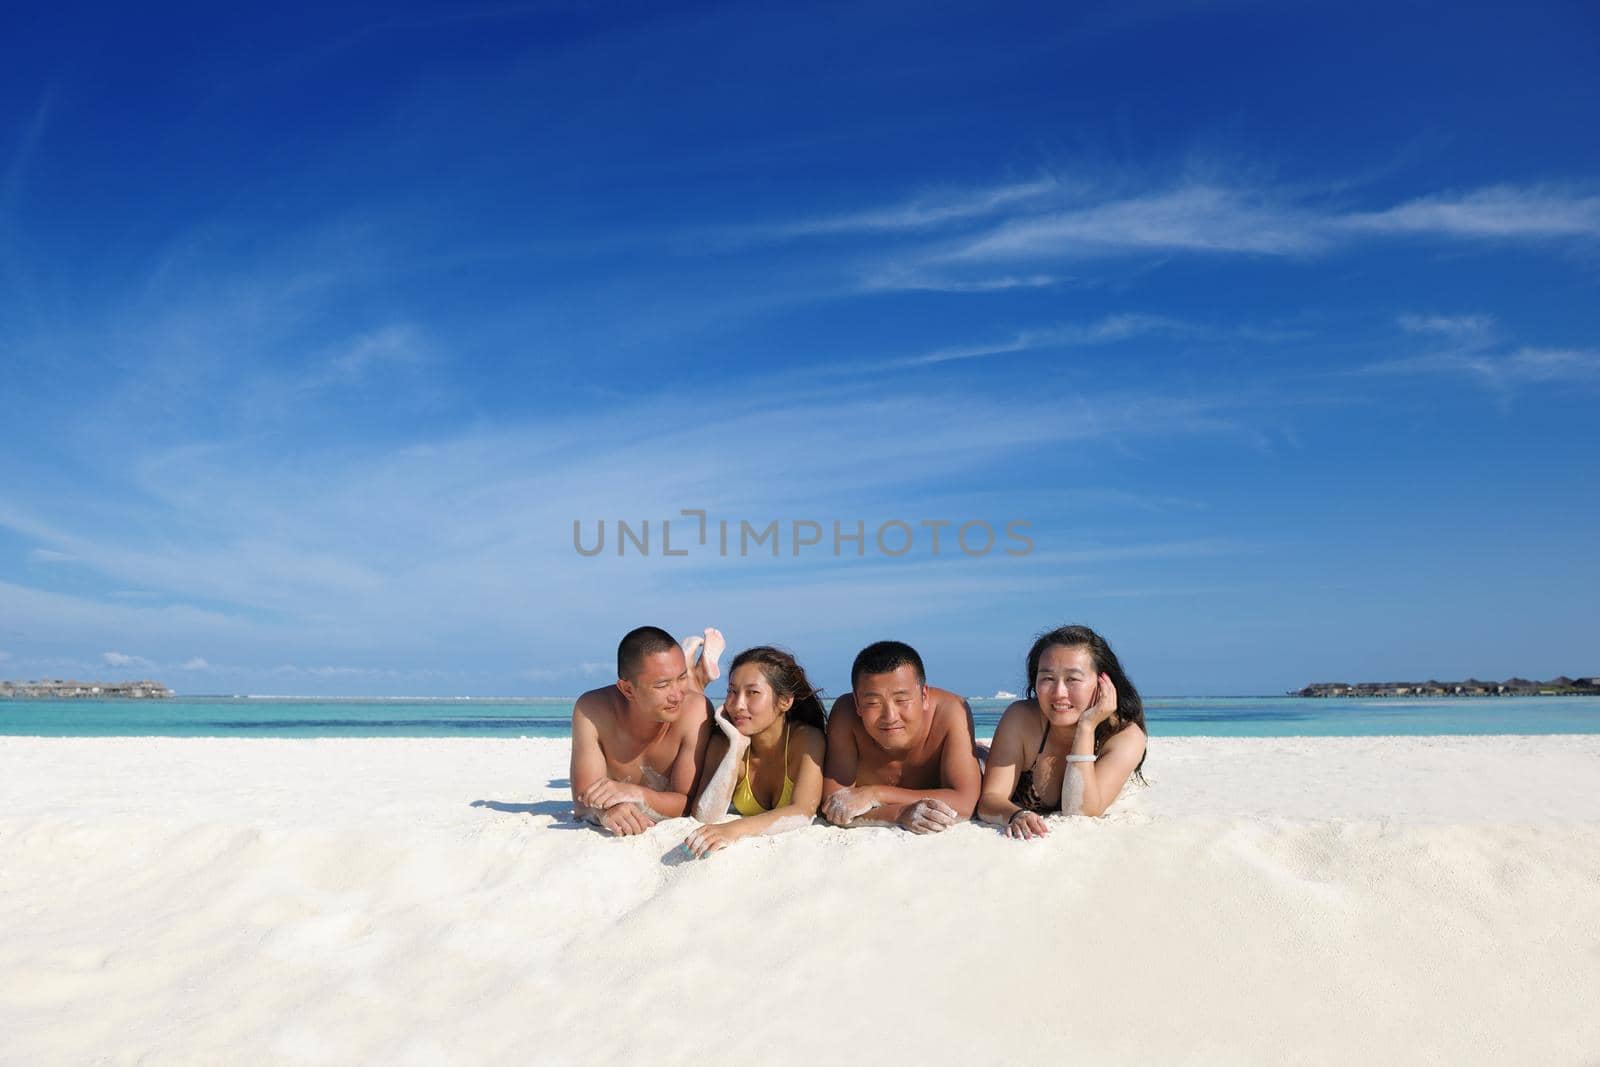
(1393, 900)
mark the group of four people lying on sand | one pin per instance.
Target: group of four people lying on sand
(894, 751)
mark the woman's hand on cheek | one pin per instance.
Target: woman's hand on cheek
(1105, 703)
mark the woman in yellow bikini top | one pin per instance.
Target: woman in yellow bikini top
(744, 800)
(766, 758)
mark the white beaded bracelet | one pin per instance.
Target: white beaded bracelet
(1082, 759)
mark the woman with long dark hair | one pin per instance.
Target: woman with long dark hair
(766, 759)
(1072, 744)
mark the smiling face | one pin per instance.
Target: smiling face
(1065, 683)
(893, 707)
(659, 689)
(752, 705)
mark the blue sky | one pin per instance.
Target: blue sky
(1277, 324)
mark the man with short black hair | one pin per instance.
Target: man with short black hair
(638, 744)
(900, 752)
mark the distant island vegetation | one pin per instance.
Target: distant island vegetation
(56, 689)
(1560, 686)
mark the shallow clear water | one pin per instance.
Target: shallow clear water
(551, 717)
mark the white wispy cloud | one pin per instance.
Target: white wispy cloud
(1192, 218)
(50, 555)
(339, 671)
(1157, 592)
(72, 621)
(1058, 220)
(1501, 211)
(194, 664)
(1080, 497)
(14, 177)
(1194, 548)
(1504, 372)
(464, 539)
(929, 281)
(122, 659)
(1553, 365)
(379, 351)
(590, 669)
(232, 330)
(1456, 327)
(924, 212)
(1107, 330)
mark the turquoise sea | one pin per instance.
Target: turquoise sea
(551, 717)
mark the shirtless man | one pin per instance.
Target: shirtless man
(900, 753)
(637, 745)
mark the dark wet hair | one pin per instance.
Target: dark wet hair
(788, 679)
(1130, 706)
(637, 644)
(881, 657)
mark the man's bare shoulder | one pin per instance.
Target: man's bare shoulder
(844, 711)
(949, 709)
(1129, 738)
(1018, 726)
(808, 738)
(599, 705)
(690, 721)
(1018, 713)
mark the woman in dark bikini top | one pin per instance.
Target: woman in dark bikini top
(1025, 795)
(1089, 723)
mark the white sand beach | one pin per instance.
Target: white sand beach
(1353, 900)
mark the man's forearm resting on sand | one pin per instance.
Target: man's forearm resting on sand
(889, 796)
(657, 804)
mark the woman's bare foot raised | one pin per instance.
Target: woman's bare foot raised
(711, 647)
